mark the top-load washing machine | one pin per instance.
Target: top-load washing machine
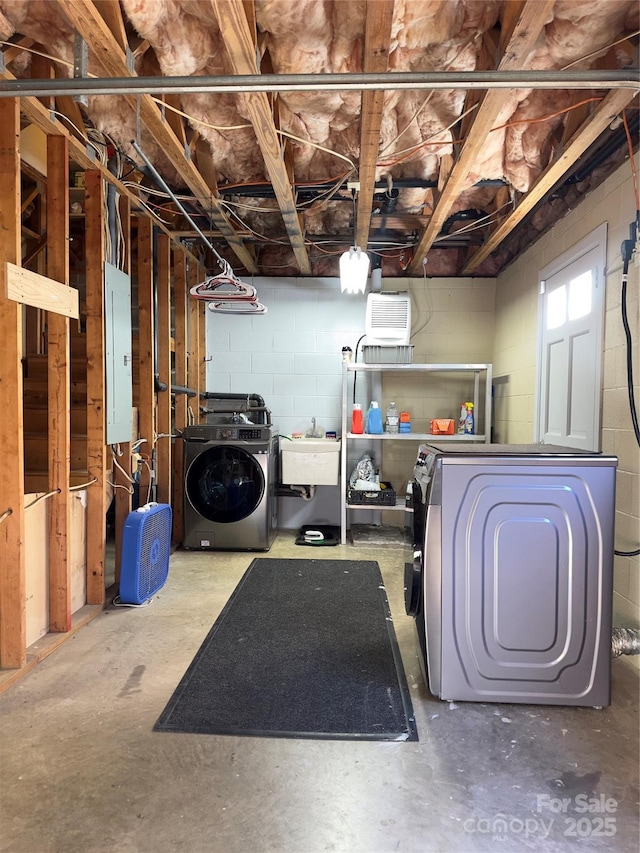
(512, 576)
(231, 474)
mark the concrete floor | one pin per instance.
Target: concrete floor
(81, 770)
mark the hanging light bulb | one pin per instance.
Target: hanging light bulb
(354, 269)
(354, 264)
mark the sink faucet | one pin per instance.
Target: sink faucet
(311, 433)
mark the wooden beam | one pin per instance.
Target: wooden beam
(13, 632)
(59, 398)
(181, 402)
(607, 110)
(112, 16)
(96, 429)
(521, 26)
(86, 19)
(40, 291)
(163, 368)
(123, 495)
(376, 59)
(238, 38)
(146, 311)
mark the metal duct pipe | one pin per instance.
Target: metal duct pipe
(79, 86)
(625, 641)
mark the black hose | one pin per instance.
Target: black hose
(628, 248)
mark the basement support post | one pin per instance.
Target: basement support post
(96, 431)
(181, 402)
(123, 496)
(13, 629)
(59, 402)
(146, 400)
(163, 446)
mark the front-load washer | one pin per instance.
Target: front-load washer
(512, 578)
(230, 478)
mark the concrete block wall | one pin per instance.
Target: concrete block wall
(292, 357)
(514, 360)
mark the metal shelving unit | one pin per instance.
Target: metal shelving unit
(480, 371)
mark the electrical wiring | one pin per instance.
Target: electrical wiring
(417, 112)
(42, 497)
(545, 117)
(128, 489)
(482, 222)
(219, 128)
(318, 146)
(429, 303)
(81, 135)
(48, 56)
(607, 47)
(5, 515)
(83, 485)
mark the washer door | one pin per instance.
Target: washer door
(225, 484)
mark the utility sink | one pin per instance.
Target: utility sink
(310, 461)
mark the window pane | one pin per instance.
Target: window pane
(557, 307)
(580, 292)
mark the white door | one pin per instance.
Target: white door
(571, 318)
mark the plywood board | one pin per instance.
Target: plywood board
(39, 291)
(36, 557)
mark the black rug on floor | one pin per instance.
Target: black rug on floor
(303, 648)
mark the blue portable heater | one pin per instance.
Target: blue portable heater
(146, 543)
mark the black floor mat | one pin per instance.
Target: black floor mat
(303, 648)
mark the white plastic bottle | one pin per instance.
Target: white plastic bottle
(393, 418)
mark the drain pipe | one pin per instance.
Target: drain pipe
(625, 641)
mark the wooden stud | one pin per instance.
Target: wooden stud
(13, 651)
(163, 445)
(181, 401)
(59, 402)
(96, 430)
(123, 495)
(376, 58)
(146, 311)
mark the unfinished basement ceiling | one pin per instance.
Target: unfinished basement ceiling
(283, 182)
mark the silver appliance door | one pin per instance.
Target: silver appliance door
(527, 562)
(225, 484)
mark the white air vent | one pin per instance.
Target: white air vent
(388, 320)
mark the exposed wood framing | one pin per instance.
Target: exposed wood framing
(123, 495)
(146, 312)
(163, 423)
(232, 20)
(180, 364)
(519, 35)
(376, 58)
(39, 291)
(86, 19)
(96, 432)
(13, 652)
(59, 397)
(605, 113)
